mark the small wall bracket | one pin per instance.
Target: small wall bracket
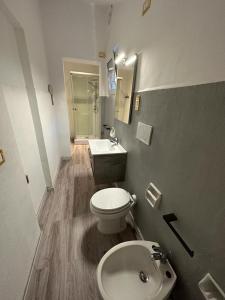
(2, 157)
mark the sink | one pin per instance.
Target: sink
(108, 161)
(104, 147)
(128, 272)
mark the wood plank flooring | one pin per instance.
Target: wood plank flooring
(70, 246)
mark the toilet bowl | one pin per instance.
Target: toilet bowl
(111, 206)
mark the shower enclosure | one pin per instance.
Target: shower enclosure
(86, 105)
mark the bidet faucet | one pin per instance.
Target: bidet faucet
(159, 254)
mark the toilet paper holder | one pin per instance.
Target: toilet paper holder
(153, 195)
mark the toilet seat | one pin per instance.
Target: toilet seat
(111, 200)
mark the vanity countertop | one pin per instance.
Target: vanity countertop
(104, 147)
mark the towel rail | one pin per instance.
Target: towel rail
(171, 218)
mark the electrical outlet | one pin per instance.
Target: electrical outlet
(146, 6)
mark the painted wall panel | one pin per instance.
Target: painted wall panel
(186, 162)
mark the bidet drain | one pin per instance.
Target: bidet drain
(143, 276)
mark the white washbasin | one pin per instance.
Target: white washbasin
(118, 273)
(104, 146)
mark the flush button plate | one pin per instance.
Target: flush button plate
(144, 133)
(2, 158)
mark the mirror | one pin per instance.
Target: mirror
(126, 74)
(111, 77)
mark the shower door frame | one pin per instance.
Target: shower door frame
(96, 112)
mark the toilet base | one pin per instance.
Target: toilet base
(106, 226)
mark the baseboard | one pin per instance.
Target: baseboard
(32, 266)
(81, 141)
(45, 195)
(133, 224)
(56, 174)
(66, 157)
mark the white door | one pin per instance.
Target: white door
(19, 230)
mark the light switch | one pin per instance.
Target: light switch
(2, 158)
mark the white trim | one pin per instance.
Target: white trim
(32, 266)
(81, 60)
(178, 85)
(138, 232)
(81, 141)
(66, 158)
(83, 73)
(44, 197)
(57, 173)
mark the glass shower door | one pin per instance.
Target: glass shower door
(85, 91)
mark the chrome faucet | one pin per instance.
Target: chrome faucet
(159, 254)
(114, 140)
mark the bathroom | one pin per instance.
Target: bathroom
(112, 149)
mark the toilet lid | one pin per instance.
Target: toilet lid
(110, 199)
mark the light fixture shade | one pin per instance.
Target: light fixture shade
(131, 60)
(120, 58)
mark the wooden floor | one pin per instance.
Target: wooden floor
(70, 246)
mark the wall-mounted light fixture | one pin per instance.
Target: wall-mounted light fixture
(130, 60)
(50, 90)
(121, 58)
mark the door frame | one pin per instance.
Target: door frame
(71, 116)
(96, 112)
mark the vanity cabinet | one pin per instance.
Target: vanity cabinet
(108, 168)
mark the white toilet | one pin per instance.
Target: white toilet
(111, 206)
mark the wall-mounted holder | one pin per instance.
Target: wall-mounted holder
(210, 288)
(153, 195)
(2, 158)
(137, 102)
(50, 90)
(144, 133)
(171, 218)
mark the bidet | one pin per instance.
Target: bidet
(128, 272)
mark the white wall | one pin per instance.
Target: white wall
(19, 230)
(69, 32)
(14, 91)
(27, 13)
(181, 42)
(101, 36)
